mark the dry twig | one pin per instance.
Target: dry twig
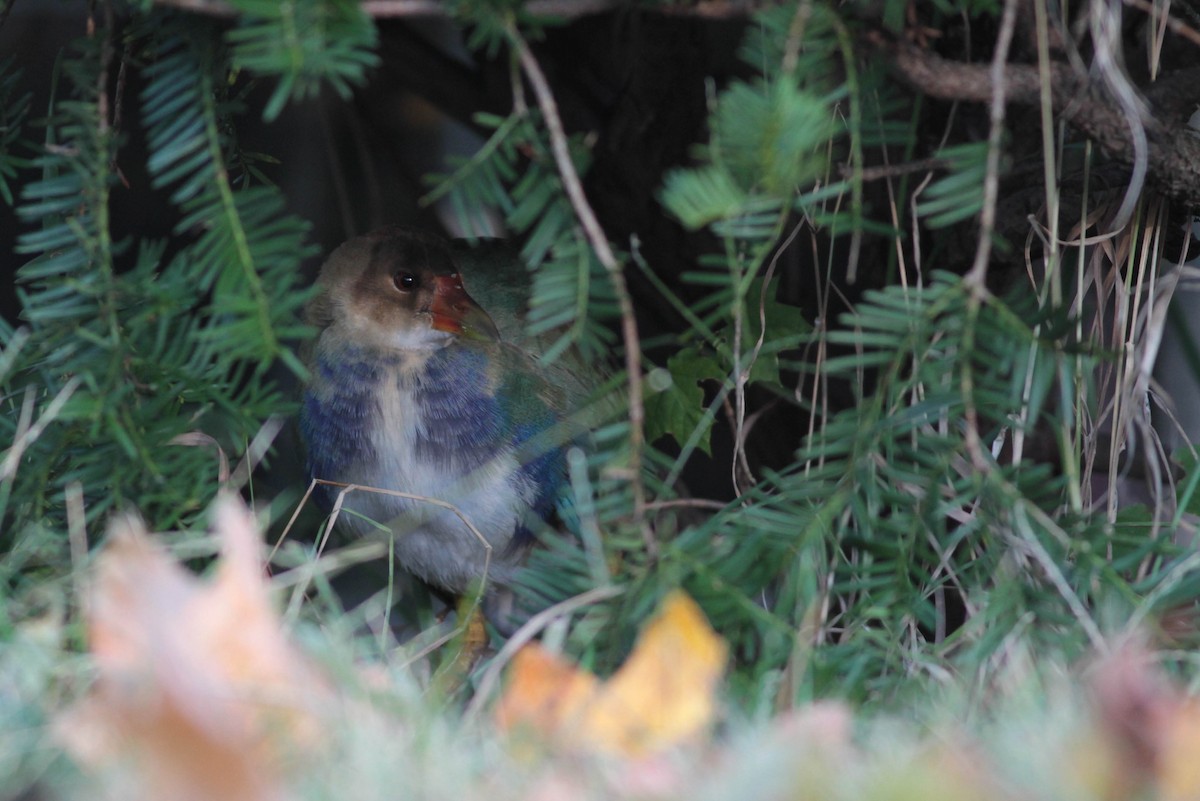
(599, 243)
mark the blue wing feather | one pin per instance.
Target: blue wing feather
(336, 416)
(462, 418)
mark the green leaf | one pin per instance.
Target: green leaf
(677, 408)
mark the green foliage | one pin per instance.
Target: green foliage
(888, 518)
(909, 535)
(491, 24)
(770, 135)
(246, 244)
(122, 351)
(768, 139)
(14, 109)
(305, 44)
(959, 195)
(676, 406)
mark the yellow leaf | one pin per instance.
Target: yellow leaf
(198, 692)
(664, 694)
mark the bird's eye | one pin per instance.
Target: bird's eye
(405, 282)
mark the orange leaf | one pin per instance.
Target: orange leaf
(544, 692)
(662, 696)
(1179, 762)
(1149, 731)
(198, 689)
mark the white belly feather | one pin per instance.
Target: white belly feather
(432, 540)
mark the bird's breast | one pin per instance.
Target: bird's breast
(432, 428)
(403, 421)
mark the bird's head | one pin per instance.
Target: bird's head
(399, 290)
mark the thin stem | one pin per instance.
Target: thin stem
(522, 636)
(237, 231)
(1176, 27)
(976, 278)
(604, 252)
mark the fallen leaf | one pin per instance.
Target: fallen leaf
(199, 694)
(1179, 761)
(544, 691)
(1149, 733)
(664, 694)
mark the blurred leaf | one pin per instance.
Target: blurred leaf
(198, 693)
(544, 693)
(305, 43)
(1179, 766)
(664, 694)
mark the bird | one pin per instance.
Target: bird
(412, 389)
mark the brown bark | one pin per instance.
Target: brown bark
(1173, 157)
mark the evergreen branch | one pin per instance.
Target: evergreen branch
(600, 245)
(237, 230)
(28, 430)
(104, 133)
(466, 170)
(1022, 512)
(14, 111)
(305, 45)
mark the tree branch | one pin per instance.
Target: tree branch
(1173, 160)
(392, 9)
